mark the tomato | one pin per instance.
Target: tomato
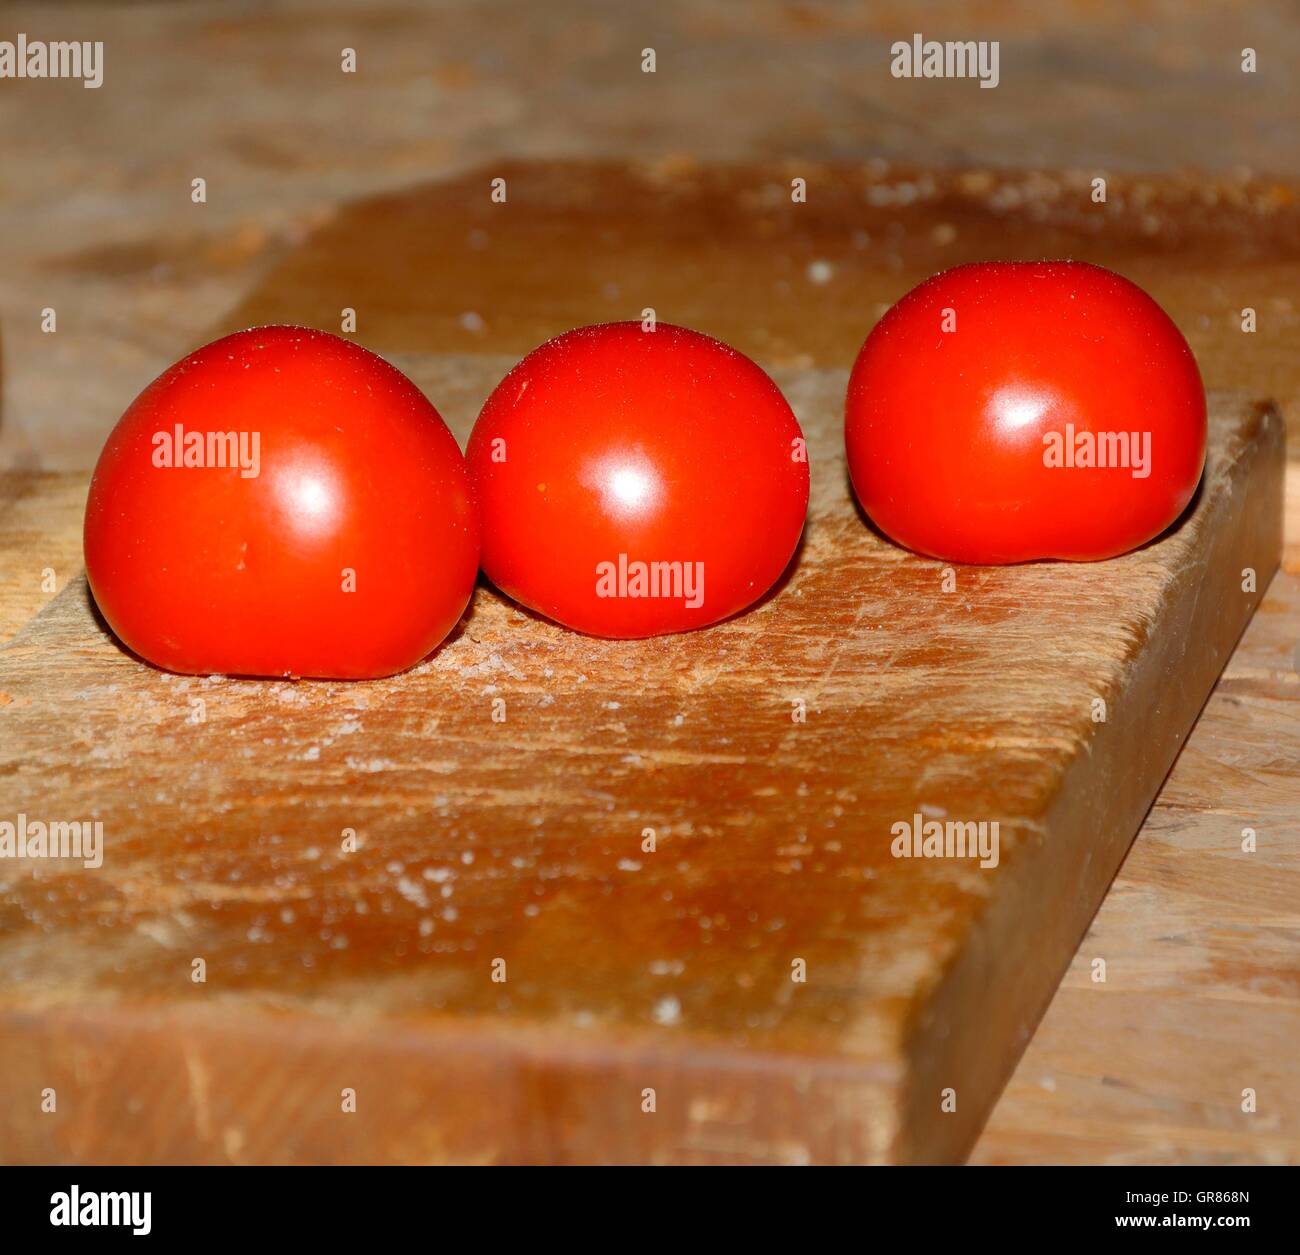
(1006, 411)
(636, 482)
(281, 503)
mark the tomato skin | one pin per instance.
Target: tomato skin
(203, 570)
(665, 447)
(944, 430)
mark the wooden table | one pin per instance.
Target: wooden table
(1200, 945)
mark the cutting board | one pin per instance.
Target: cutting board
(434, 898)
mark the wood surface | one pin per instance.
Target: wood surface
(521, 840)
(98, 222)
(1202, 946)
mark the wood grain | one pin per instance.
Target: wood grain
(521, 840)
(100, 225)
(40, 541)
(1201, 942)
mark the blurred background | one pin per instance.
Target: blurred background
(97, 221)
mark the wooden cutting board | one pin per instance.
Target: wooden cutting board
(225, 806)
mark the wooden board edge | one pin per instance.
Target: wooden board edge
(1079, 854)
(419, 1094)
(40, 540)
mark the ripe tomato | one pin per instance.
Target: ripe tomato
(1005, 411)
(281, 503)
(637, 482)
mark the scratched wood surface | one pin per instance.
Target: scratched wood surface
(828, 1113)
(1203, 992)
(521, 841)
(1200, 998)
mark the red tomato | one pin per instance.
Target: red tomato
(334, 536)
(1006, 411)
(637, 482)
